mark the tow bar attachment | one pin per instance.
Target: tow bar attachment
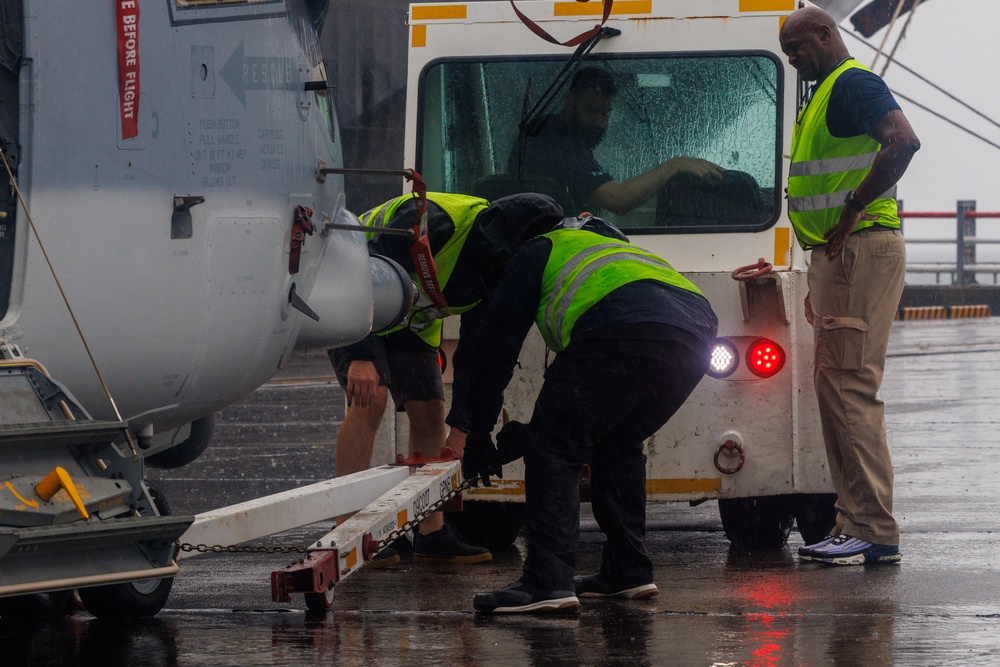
(433, 484)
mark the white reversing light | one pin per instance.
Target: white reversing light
(724, 360)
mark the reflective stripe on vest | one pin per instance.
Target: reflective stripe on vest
(584, 267)
(824, 169)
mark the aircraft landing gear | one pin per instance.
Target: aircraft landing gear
(187, 451)
(132, 599)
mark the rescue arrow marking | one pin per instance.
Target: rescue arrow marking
(243, 73)
(31, 503)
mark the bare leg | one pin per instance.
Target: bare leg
(356, 437)
(427, 434)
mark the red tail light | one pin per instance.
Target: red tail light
(765, 358)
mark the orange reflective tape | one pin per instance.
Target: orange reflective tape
(597, 8)
(782, 246)
(351, 559)
(767, 5)
(438, 12)
(418, 36)
(696, 485)
(401, 518)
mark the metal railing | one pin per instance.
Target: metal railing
(965, 269)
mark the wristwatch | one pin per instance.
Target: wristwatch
(854, 203)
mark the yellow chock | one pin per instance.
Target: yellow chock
(60, 479)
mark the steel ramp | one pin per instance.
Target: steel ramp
(46, 558)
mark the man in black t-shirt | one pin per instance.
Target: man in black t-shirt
(562, 150)
(850, 145)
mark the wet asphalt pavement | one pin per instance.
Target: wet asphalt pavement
(716, 607)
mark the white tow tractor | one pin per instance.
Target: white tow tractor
(700, 78)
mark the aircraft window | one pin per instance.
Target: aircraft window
(724, 108)
(184, 4)
(189, 11)
(324, 101)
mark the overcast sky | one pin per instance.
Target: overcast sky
(954, 43)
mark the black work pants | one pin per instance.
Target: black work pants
(599, 402)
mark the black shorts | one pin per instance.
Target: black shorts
(409, 366)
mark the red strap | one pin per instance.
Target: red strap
(302, 224)
(579, 39)
(423, 259)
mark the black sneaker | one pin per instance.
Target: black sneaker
(444, 546)
(595, 587)
(384, 558)
(519, 598)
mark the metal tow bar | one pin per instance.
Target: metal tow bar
(434, 484)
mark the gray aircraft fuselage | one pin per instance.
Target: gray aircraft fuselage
(173, 246)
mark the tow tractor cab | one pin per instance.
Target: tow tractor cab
(699, 78)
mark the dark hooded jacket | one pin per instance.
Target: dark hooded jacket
(489, 246)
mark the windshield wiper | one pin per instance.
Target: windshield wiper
(532, 120)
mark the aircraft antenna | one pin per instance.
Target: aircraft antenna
(899, 8)
(62, 293)
(892, 54)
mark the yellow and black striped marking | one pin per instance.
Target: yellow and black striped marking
(980, 310)
(942, 312)
(922, 313)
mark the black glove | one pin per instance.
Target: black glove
(481, 459)
(513, 439)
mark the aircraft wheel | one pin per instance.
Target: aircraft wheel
(815, 515)
(132, 599)
(187, 451)
(753, 524)
(493, 525)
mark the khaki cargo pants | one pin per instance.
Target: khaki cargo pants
(854, 298)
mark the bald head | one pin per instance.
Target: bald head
(813, 43)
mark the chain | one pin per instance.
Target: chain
(239, 548)
(281, 549)
(433, 507)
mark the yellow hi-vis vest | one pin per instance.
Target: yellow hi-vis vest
(583, 268)
(424, 318)
(825, 168)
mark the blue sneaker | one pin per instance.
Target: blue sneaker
(847, 550)
(806, 550)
